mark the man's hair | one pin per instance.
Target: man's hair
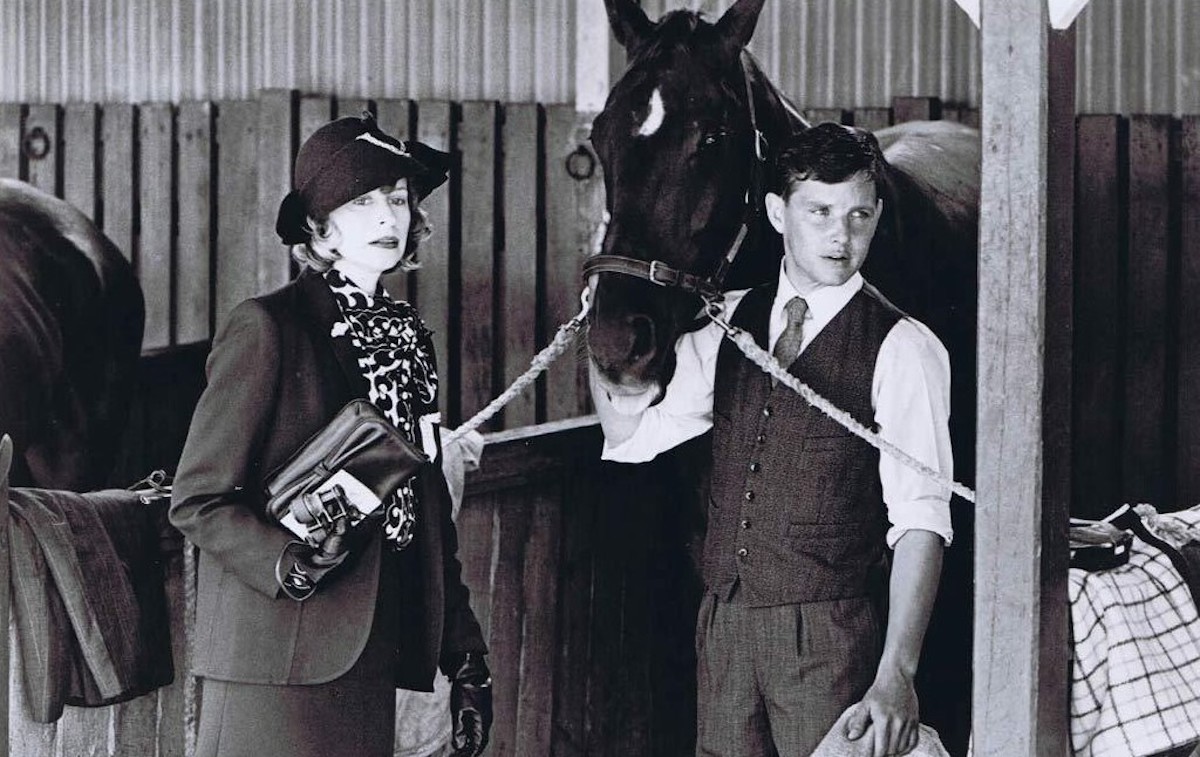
(830, 153)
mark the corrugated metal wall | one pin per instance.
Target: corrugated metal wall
(1133, 54)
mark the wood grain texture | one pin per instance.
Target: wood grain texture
(1144, 470)
(916, 109)
(43, 170)
(535, 700)
(1188, 441)
(81, 156)
(194, 251)
(156, 242)
(237, 205)
(118, 130)
(10, 140)
(506, 618)
(574, 208)
(474, 361)
(517, 271)
(1012, 287)
(6, 646)
(872, 119)
(276, 151)
(1098, 320)
(437, 126)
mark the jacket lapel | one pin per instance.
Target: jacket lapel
(322, 312)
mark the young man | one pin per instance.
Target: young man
(798, 519)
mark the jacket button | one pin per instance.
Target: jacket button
(743, 553)
(745, 523)
(754, 467)
(749, 496)
(766, 412)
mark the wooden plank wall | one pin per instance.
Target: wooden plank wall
(600, 654)
(189, 193)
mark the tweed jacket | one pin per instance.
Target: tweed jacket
(275, 377)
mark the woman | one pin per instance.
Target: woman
(301, 649)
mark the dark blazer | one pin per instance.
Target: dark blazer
(274, 378)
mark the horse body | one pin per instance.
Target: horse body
(681, 142)
(71, 319)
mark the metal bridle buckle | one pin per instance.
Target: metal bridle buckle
(654, 266)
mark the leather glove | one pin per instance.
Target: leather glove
(311, 565)
(470, 703)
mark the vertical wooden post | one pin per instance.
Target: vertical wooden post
(1057, 493)
(6, 451)
(591, 56)
(1019, 695)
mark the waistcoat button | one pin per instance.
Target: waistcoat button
(766, 412)
(754, 467)
(761, 438)
(743, 553)
(745, 523)
(749, 496)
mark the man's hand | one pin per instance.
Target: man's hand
(888, 714)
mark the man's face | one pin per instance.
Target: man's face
(826, 228)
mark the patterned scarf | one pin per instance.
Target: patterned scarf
(395, 354)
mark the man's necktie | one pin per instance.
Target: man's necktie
(788, 345)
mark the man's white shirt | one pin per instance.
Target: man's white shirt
(910, 395)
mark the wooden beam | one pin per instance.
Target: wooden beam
(1019, 706)
(1057, 494)
(591, 56)
(6, 452)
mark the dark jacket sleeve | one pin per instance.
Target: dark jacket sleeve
(215, 498)
(461, 631)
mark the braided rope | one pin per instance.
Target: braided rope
(562, 340)
(568, 331)
(770, 365)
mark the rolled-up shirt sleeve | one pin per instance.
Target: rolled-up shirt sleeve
(911, 396)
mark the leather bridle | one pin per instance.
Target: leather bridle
(658, 272)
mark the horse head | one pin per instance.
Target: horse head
(682, 139)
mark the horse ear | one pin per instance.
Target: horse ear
(736, 27)
(628, 21)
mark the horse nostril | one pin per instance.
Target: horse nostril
(643, 337)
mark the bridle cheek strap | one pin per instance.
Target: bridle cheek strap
(658, 272)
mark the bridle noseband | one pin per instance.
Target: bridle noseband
(658, 272)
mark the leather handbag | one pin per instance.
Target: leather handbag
(358, 458)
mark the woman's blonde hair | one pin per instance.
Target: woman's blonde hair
(321, 260)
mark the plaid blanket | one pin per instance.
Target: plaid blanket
(1135, 673)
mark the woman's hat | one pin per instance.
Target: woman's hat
(347, 158)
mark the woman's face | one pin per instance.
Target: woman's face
(370, 232)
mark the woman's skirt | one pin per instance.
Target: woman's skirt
(352, 716)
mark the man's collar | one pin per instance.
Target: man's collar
(822, 300)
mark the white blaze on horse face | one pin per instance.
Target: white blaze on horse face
(654, 119)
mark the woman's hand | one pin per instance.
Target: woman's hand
(459, 457)
(470, 704)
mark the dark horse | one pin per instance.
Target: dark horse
(71, 318)
(685, 139)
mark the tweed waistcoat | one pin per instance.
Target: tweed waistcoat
(796, 512)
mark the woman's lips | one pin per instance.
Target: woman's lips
(389, 243)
